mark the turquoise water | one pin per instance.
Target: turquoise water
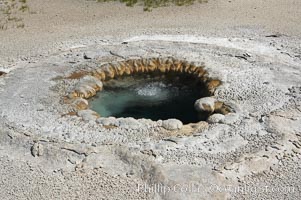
(150, 97)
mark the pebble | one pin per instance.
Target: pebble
(172, 124)
(216, 118)
(205, 104)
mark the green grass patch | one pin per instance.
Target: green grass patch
(148, 5)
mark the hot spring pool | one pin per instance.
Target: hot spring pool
(150, 96)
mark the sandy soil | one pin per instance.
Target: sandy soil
(53, 25)
(46, 156)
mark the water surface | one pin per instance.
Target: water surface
(150, 97)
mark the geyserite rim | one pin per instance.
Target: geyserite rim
(92, 82)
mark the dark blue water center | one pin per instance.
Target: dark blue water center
(150, 97)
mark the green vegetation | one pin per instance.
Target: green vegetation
(148, 5)
(24, 8)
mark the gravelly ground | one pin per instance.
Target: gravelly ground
(46, 156)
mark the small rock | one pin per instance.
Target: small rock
(40, 107)
(88, 115)
(274, 35)
(2, 73)
(172, 139)
(229, 167)
(296, 151)
(129, 123)
(86, 56)
(172, 124)
(159, 122)
(108, 121)
(37, 149)
(262, 119)
(205, 104)
(216, 118)
(296, 144)
(278, 157)
(230, 118)
(149, 152)
(275, 147)
(91, 54)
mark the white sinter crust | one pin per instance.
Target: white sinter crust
(44, 140)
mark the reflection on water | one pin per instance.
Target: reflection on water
(149, 4)
(149, 97)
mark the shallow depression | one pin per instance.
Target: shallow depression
(150, 96)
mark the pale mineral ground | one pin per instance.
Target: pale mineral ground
(48, 152)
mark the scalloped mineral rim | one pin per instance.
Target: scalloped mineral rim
(92, 82)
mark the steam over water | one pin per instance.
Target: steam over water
(157, 91)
